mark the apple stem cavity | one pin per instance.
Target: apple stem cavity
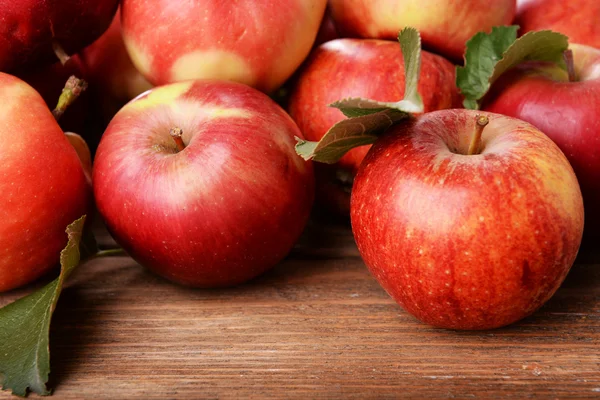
(568, 57)
(61, 54)
(481, 122)
(176, 134)
(73, 88)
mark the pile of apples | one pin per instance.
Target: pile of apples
(197, 177)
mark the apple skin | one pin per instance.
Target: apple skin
(445, 26)
(467, 242)
(567, 112)
(359, 68)
(223, 210)
(577, 19)
(30, 26)
(257, 43)
(42, 185)
(109, 68)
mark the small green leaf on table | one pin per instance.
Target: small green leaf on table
(25, 326)
(368, 119)
(488, 56)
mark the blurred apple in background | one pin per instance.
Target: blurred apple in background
(199, 181)
(467, 240)
(43, 187)
(566, 111)
(111, 74)
(257, 43)
(578, 19)
(445, 26)
(359, 68)
(31, 28)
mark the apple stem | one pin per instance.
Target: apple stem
(61, 54)
(73, 88)
(568, 57)
(176, 134)
(481, 122)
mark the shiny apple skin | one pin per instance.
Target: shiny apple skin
(467, 242)
(43, 187)
(223, 210)
(29, 27)
(445, 25)
(568, 112)
(578, 19)
(372, 69)
(259, 43)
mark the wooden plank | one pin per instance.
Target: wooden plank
(317, 326)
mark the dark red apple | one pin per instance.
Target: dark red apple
(31, 28)
(49, 82)
(359, 68)
(216, 206)
(467, 241)
(567, 111)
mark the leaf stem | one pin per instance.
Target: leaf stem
(109, 253)
(480, 123)
(568, 57)
(73, 88)
(176, 133)
(61, 54)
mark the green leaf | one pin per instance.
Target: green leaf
(349, 133)
(410, 44)
(367, 119)
(25, 326)
(488, 56)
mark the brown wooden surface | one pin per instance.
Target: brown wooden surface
(317, 326)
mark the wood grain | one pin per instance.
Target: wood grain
(317, 326)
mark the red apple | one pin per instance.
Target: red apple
(257, 43)
(445, 26)
(467, 241)
(577, 19)
(110, 70)
(30, 28)
(359, 68)
(43, 186)
(327, 30)
(221, 206)
(568, 112)
(49, 81)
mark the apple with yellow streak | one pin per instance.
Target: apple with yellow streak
(256, 43)
(43, 187)
(199, 181)
(466, 227)
(445, 26)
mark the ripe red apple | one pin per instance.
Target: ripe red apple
(42, 185)
(568, 112)
(215, 207)
(30, 29)
(445, 26)
(359, 68)
(110, 70)
(467, 241)
(49, 81)
(577, 19)
(257, 43)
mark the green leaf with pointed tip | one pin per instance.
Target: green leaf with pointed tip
(410, 44)
(349, 133)
(367, 119)
(488, 56)
(25, 326)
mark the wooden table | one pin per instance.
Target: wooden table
(317, 326)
